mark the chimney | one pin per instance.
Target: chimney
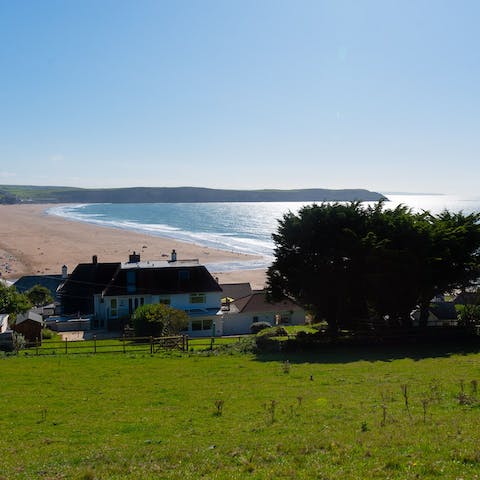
(94, 260)
(64, 271)
(134, 257)
(174, 256)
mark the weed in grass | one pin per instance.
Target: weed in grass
(384, 415)
(425, 402)
(271, 407)
(404, 388)
(43, 415)
(364, 427)
(299, 400)
(219, 406)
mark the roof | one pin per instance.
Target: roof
(257, 302)
(52, 282)
(444, 310)
(236, 290)
(86, 280)
(163, 280)
(23, 317)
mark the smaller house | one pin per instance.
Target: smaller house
(237, 317)
(441, 314)
(30, 325)
(50, 282)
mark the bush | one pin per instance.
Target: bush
(158, 320)
(48, 334)
(259, 326)
(274, 332)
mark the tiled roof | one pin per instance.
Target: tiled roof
(23, 317)
(236, 290)
(257, 302)
(444, 310)
(85, 281)
(168, 280)
(51, 282)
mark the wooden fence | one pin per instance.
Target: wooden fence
(122, 344)
(127, 344)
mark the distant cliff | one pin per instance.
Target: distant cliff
(33, 194)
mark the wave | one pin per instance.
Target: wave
(229, 241)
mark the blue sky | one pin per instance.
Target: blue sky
(244, 94)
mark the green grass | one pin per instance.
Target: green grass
(333, 415)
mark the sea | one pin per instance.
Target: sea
(235, 227)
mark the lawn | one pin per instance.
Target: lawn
(333, 415)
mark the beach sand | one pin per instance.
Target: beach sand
(34, 243)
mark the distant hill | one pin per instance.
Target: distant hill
(34, 194)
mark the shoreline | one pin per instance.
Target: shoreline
(33, 242)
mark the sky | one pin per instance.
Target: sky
(246, 94)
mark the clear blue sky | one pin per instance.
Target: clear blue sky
(244, 94)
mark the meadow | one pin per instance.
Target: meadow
(340, 414)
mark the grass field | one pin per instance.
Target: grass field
(334, 415)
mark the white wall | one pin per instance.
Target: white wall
(239, 323)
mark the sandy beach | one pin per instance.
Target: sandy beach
(34, 243)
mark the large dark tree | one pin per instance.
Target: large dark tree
(346, 262)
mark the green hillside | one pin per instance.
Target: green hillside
(34, 194)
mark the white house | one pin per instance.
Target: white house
(182, 284)
(237, 317)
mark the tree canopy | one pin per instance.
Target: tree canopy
(346, 262)
(158, 320)
(11, 301)
(39, 295)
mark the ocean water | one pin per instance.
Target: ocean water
(238, 227)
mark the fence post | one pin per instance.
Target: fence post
(94, 344)
(123, 343)
(151, 345)
(36, 345)
(66, 346)
(211, 343)
(186, 342)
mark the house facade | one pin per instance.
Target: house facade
(111, 292)
(237, 317)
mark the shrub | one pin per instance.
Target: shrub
(48, 334)
(259, 326)
(158, 320)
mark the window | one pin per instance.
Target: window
(198, 325)
(164, 300)
(198, 298)
(113, 306)
(255, 319)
